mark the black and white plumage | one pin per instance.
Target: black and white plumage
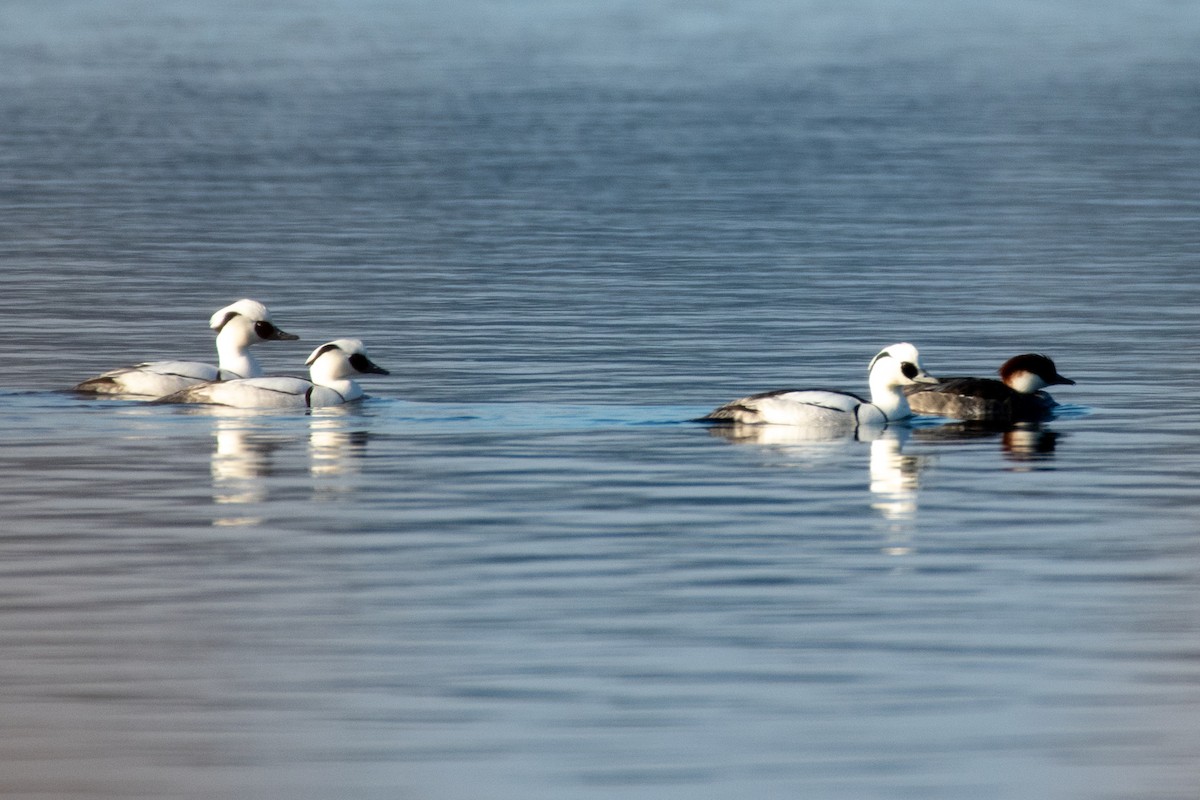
(894, 367)
(332, 368)
(238, 326)
(1016, 397)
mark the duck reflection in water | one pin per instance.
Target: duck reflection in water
(254, 454)
(1021, 442)
(895, 486)
(807, 438)
(242, 458)
(336, 449)
(893, 475)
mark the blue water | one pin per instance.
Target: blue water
(517, 570)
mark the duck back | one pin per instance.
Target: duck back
(978, 399)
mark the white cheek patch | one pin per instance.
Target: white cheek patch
(1026, 382)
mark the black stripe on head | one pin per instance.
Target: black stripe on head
(322, 350)
(225, 320)
(882, 354)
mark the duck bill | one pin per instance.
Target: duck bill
(924, 377)
(283, 336)
(1059, 380)
(366, 366)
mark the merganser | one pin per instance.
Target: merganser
(331, 367)
(1016, 397)
(896, 366)
(238, 326)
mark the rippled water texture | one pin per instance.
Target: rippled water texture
(518, 570)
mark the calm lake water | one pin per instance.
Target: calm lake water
(518, 571)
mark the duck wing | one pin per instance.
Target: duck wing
(272, 392)
(150, 379)
(812, 407)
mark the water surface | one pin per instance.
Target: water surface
(517, 570)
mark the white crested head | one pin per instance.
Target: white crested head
(341, 359)
(898, 365)
(246, 322)
(240, 325)
(344, 347)
(250, 309)
(895, 366)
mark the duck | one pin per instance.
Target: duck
(331, 368)
(1016, 397)
(238, 326)
(895, 366)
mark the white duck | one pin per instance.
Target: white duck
(331, 369)
(238, 326)
(897, 366)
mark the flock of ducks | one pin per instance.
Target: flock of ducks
(237, 380)
(899, 384)
(900, 387)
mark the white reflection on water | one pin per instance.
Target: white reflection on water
(895, 484)
(892, 475)
(806, 439)
(249, 447)
(336, 448)
(241, 458)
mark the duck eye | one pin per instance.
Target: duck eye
(909, 370)
(264, 330)
(360, 362)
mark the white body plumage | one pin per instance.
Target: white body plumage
(894, 367)
(239, 326)
(332, 368)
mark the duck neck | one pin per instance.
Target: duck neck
(890, 400)
(234, 356)
(331, 373)
(346, 387)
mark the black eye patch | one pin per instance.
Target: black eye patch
(909, 370)
(265, 330)
(366, 365)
